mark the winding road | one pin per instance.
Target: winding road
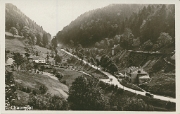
(114, 81)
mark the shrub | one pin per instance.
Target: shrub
(170, 105)
(120, 91)
(102, 84)
(23, 89)
(47, 102)
(54, 71)
(116, 88)
(59, 75)
(64, 82)
(43, 89)
(84, 95)
(34, 92)
(135, 104)
(28, 90)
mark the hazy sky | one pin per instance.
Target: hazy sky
(53, 15)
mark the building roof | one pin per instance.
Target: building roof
(38, 58)
(132, 69)
(144, 77)
(30, 57)
(136, 70)
(10, 61)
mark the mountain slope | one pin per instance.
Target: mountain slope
(18, 23)
(145, 22)
(94, 25)
(15, 45)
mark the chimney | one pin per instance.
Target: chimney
(112, 51)
(139, 71)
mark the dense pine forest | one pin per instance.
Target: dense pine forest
(144, 27)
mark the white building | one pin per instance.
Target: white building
(137, 75)
(39, 60)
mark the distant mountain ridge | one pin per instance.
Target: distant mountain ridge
(145, 22)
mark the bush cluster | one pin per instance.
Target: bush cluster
(42, 89)
(47, 102)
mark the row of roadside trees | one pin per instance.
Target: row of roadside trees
(87, 93)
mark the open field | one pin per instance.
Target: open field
(70, 78)
(87, 69)
(69, 75)
(78, 65)
(15, 45)
(34, 81)
(41, 49)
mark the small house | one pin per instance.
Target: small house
(137, 75)
(39, 60)
(9, 62)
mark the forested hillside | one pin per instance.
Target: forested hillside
(18, 23)
(145, 27)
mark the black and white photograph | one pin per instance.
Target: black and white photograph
(82, 55)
